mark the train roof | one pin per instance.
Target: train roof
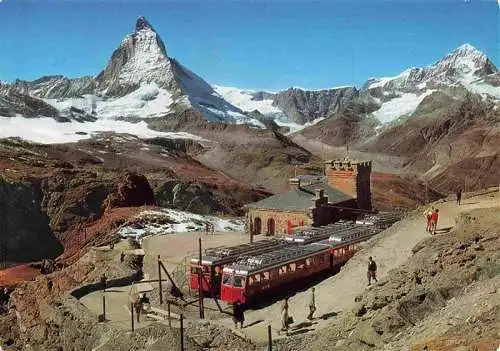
(254, 264)
(223, 253)
(319, 233)
(286, 254)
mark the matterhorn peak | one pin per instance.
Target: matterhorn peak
(140, 59)
(142, 23)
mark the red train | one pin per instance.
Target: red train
(219, 261)
(214, 260)
(265, 274)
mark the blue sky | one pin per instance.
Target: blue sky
(248, 44)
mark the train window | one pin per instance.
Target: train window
(308, 262)
(282, 270)
(266, 276)
(226, 279)
(239, 282)
(194, 270)
(206, 269)
(322, 258)
(293, 267)
(256, 278)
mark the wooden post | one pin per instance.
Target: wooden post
(269, 338)
(159, 280)
(168, 310)
(104, 307)
(182, 332)
(200, 281)
(132, 314)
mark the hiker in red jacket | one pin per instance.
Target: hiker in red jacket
(434, 220)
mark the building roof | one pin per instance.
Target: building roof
(300, 199)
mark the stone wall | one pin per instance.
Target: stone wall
(266, 218)
(352, 178)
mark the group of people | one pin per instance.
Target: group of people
(432, 216)
(286, 319)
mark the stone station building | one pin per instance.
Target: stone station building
(343, 193)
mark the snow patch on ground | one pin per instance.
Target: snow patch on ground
(166, 220)
(403, 105)
(295, 127)
(244, 100)
(48, 131)
(147, 101)
(485, 89)
(381, 82)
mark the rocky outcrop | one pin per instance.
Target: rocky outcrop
(72, 197)
(24, 227)
(58, 87)
(16, 100)
(438, 288)
(303, 106)
(131, 190)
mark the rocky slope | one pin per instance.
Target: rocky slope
(445, 297)
(71, 191)
(44, 314)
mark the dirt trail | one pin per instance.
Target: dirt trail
(336, 294)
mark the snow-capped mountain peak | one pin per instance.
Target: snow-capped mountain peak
(465, 62)
(140, 59)
(143, 24)
(463, 65)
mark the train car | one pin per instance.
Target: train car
(214, 260)
(262, 275)
(315, 234)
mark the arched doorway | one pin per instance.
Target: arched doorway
(257, 226)
(271, 226)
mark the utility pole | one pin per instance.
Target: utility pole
(200, 280)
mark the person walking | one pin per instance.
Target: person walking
(238, 315)
(285, 318)
(434, 220)
(138, 308)
(459, 196)
(428, 214)
(312, 305)
(145, 303)
(372, 271)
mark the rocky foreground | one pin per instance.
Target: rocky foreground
(445, 297)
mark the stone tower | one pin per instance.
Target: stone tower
(352, 178)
